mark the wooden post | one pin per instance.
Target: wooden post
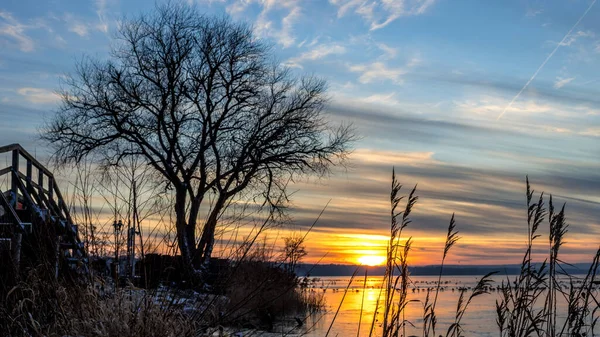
(29, 172)
(41, 186)
(50, 188)
(13, 185)
(41, 181)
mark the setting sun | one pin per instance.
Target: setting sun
(371, 260)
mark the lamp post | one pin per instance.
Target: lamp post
(118, 227)
(131, 233)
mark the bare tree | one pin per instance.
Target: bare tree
(201, 100)
(294, 250)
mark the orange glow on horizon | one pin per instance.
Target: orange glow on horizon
(372, 260)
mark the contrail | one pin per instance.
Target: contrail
(546, 60)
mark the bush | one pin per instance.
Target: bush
(260, 293)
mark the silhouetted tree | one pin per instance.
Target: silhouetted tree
(202, 102)
(293, 250)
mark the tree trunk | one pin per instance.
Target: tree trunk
(183, 233)
(207, 241)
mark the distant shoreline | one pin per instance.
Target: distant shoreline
(433, 270)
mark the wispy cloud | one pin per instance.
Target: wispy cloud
(374, 156)
(15, 32)
(83, 26)
(594, 132)
(388, 52)
(238, 7)
(380, 72)
(388, 99)
(382, 12)
(79, 29)
(572, 38)
(101, 11)
(561, 82)
(344, 6)
(285, 36)
(319, 52)
(38, 95)
(534, 12)
(264, 25)
(489, 106)
(554, 129)
(209, 2)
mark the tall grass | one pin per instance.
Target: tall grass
(429, 318)
(543, 300)
(396, 279)
(530, 303)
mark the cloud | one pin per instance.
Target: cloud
(15, 32)
(381, 13)
(561, 82)
(492, 105)
(209, 2)
(345, 5)
(38, 95)
(74, 24)
(60, 40)
(553, 129)
(534, 12)
(593, 132)
(373, 156)
(83, 26)
(583, 93)
(319, 52)
(533, 115)
(573, 37)
(79, 29)
(388, 52)
(473, 137)
(388, 99)
(285, 36)
(238, 7)
(101, 11)
(380, 72)
(264, 26)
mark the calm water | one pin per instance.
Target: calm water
(480, 319)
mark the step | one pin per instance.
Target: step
(5, 244)
(71, 245)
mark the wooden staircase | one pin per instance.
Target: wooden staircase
(33, 214)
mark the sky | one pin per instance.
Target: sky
(464, 98)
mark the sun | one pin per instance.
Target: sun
(371, 260)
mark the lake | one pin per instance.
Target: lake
(479, 320)
(359, 303)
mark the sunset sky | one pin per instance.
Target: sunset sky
(428, 85)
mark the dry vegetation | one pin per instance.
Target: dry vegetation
(41, 306)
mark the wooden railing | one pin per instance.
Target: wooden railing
(40, 196)
(47, 190)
